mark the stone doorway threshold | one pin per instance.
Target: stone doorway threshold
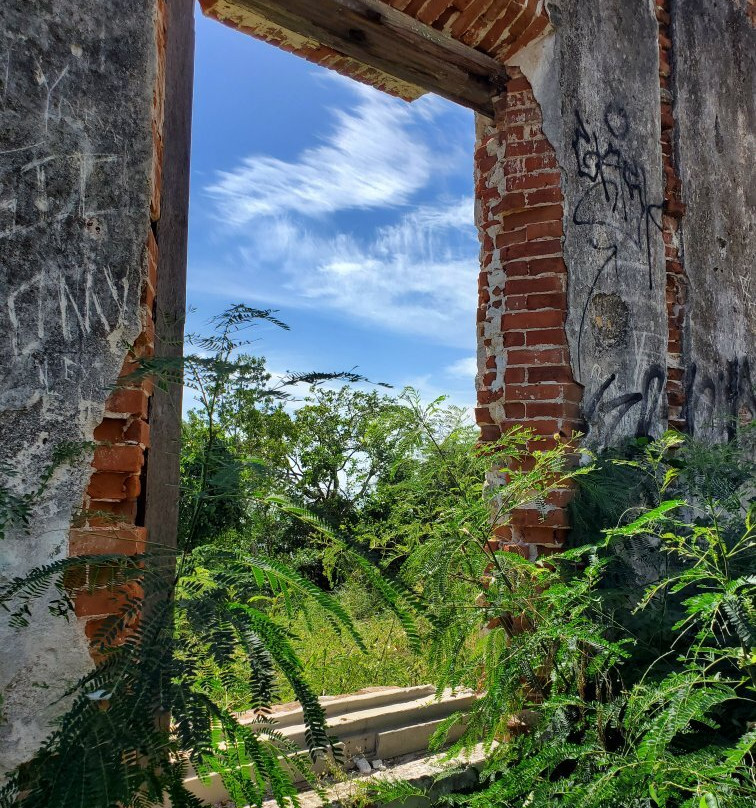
(437, 773)
(375, 727)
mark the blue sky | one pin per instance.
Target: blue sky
(348, 211)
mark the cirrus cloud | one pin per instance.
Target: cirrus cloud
(374, 157)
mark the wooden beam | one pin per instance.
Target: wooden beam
(163, 479)
(382, 37)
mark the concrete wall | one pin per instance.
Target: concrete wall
(606, 131)
(615, 192)
(656, 163)
(77, 82)
(715, 49)
(596, 79)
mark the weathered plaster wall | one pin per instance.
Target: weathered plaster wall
(596, 78)
(76, 148)
(714, 47)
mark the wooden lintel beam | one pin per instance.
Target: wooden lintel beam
(382, 37)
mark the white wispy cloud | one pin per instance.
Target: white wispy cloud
(373, 158)
(418, 276)
(467, 368)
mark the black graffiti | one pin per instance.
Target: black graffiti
(616, 197)
(613, 410)
(724, 400)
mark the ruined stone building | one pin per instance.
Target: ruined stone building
(615, 190)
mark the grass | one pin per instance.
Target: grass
(333, 662)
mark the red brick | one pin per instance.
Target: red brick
(543, 213)
(104, 601)
(138, 431)
(548, 300)
(516, 302)
(490, 433)
(549, 373)
(106, 513)
(545, 179)
(545, 230)
(514, 410)
(515, 375)
(514, 339)
(522, 149)
(503, 533)
(531, 392)
(107, 541)
(540, 162)
(544, 535)
(536, 518)
(522, 320)
(510, 237)
(118, 458)
(538, 266)
(532, 357)
(110, 485)
(483, 416)
(519, 84)
(128, 400)
(545, 196)
(558, 410)
(546, 336)
(541, 283)
(110, 430)
(560, 498)
(533, 249)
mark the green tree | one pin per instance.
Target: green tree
(189, 628)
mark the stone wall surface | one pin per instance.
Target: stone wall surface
(76, 177)
(714, 46)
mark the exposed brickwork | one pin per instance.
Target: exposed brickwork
(674, 209)
(525, 377)
(498, 28)
(111, 515)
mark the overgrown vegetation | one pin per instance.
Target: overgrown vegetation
(620, 672)
(192, 630)
(347, 540)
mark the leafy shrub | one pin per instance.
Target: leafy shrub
(575, 707)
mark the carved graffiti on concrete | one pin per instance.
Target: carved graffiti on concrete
(62, 239)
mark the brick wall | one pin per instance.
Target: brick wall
(674, 209)
(524, 376)
(498, 28)
(112, 516)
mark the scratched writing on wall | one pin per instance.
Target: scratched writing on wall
(716, 402)
(60, 244)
